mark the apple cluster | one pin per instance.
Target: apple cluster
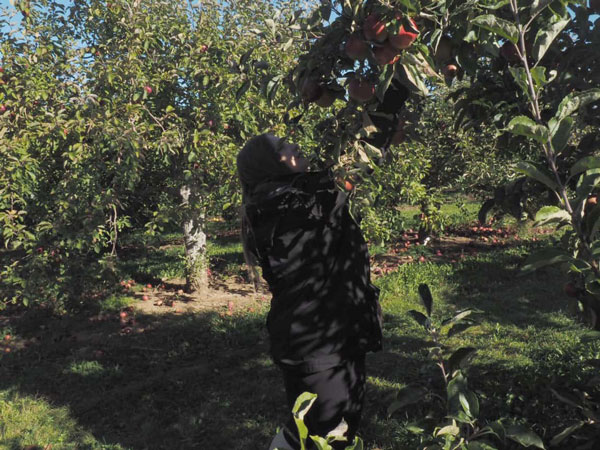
(376, 40)
(385, 46)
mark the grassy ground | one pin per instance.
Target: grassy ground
(205, 380)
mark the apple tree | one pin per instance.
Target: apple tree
(130, 121)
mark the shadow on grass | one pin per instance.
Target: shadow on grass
(184, 381)
(175, 381)
(494, 286)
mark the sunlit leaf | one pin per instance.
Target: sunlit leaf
(497, 25)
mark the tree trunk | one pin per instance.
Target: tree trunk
(196, 260)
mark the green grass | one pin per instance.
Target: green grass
(205, 381)
(31, 420)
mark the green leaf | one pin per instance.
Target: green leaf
(458, 396)
(496, 5)
(499, 26)
(538, 5)
(574, 101)
(303, 403)
(551, 214)
(415, 428)
(566, 433)
(285, 47)
(420, 318)
(545, 37)
(537, 174)
(457, 317)
(584, 164)
(242, 89)
(520, 76)
(459, 328)
(524, 436)
(321, 443)
(271, 24)
(426, 298)
(385, 80)
(372, 151)
(356, 445)
(587, 184)
(451, 430)
(245, 56)
(538, 74)
(524, 126)
(479, 445)
(407, 396)
(464, 403)
(412, 75)
(460, 357)
(561, 133)
(545, 257)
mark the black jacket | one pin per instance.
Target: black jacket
(316, 263)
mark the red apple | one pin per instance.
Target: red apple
(311, 91)
(361, 90)
(348, 186)
(570, 289)
(374, 28)
(123, 315)
(2, 108)
(148, 89)
(326, 99)
(386, 54)
(8, 337)
(149, 286)
(591, 202)
(356, 48)
(145, 298)
(449, 70)
(203, 48)
(1, 69)
(404, 38)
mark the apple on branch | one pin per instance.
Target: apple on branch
(449, 70)
(386, 54)
(404, 38)
(356, 49)
(374, 28)
(361, 90)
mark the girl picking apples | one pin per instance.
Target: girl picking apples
(325, 312)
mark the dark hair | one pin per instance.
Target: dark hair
(257, 162)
